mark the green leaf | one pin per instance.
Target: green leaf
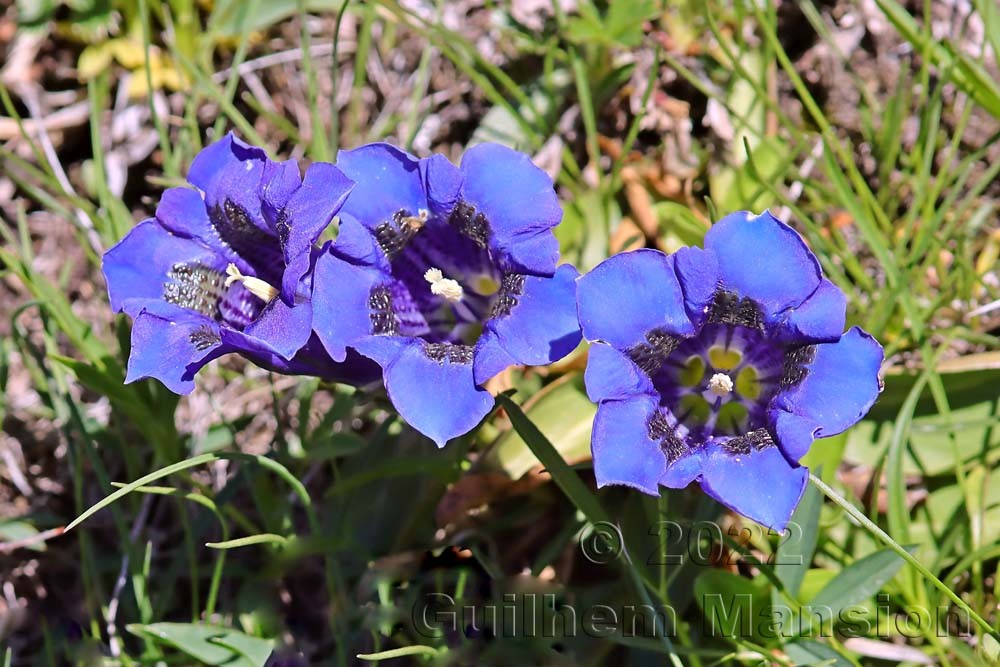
(795, 552)
(564, 415)
(12, 530)
(733, 606)
(511, 124)
(564, 476)
(262, 538)
(621, 26)
(811, 653)
(34, 13)
(678, 222)
(212, 645)
(855, 584)
(232, 18)
(402, 652)
(991, 647)
(930, 451)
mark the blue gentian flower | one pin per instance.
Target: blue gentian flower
(721, 365)
(445, 276)
(226, 268)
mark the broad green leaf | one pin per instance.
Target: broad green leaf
(811, 653)
(228, 20)
(991, 647)
(965, 383)
(826, 455)
(733, 606)
(814, 581)
(930, 451)
(564, 414)
(12, 530)
(855, 584)
(795, 552)
(736, 187)
(501, 126)
(209, 644)
(564, 476)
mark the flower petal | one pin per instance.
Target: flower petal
(283, 328)
(182, 212)
(764, 259)
(490, 357)
(442, 183)
(229, 173)
(231, 169)
(611, 375)
(304, 217)
(519, 202)
(387, 180)
(761, 485)
(840, 387)
(818, 319)
(278, 183)
(356, 244)
(342, 312)
(439, 398)
(698, 273)
(625, 297)
(684, 470)
(622, 449)
(136, 267)
(542, 326)
(172, 349)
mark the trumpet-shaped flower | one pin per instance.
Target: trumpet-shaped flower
(445, 276)
(226, 268)
(722, 365)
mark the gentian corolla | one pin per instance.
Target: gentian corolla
(445, 276)
(226, 268)
(722, 365)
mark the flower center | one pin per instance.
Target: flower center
(721, 385)
(718, 383)
(445, 283)
(444, 287)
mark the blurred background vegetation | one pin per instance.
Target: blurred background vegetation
(871, 126)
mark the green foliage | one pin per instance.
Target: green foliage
(209, 645)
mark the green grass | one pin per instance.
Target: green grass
(330, 536)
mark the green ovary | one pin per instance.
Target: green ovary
(732, 417)
(692, 372)
(747, 383)
(723, 359)
(697, 408)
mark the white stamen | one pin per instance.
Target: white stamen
(444, 287)
(720, 384)
(255, 286)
